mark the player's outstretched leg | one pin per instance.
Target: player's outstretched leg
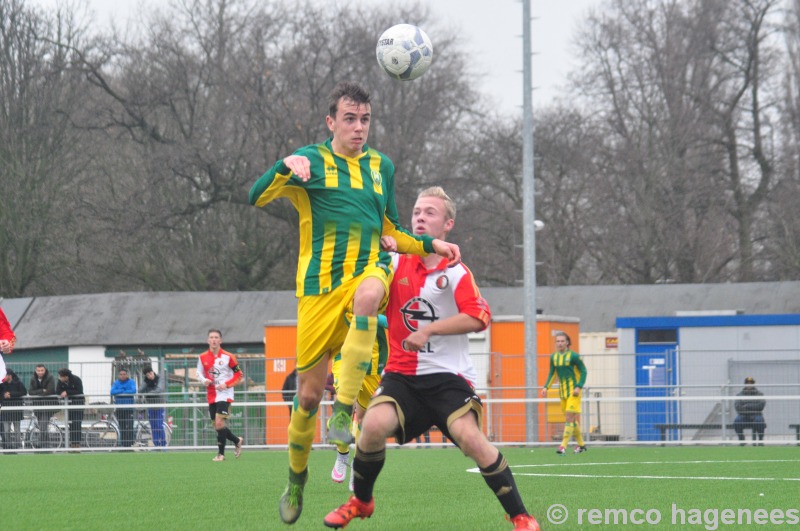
(356, 356)
(291, 503)
(499, 478)
(354, 508)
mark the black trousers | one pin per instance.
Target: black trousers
(126, 435)
(75, 417)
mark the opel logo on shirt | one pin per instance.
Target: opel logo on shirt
(417, 310)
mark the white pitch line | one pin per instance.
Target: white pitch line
(626, 476)
(610, 476)
(662, 463)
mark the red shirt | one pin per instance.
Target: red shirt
(5, 329)
(222, 368)
(419, 296)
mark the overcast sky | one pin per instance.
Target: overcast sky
(495, 28)
(492, 27)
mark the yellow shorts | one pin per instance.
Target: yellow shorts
(322, 320)
(571, 404)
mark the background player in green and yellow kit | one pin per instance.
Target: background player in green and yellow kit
(568, 366)
(343, 191)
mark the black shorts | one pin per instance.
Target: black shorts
(219, 408)
(427, 400)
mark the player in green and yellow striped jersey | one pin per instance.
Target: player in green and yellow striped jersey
(568, 366)
(343, 191)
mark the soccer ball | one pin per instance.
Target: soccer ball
(404, 52)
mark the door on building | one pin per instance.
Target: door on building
(656, 376)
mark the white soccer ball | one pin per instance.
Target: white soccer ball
(404, 51)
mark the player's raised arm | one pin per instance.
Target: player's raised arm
(300, 166)
(447, 250)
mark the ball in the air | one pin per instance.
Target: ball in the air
(404, 51)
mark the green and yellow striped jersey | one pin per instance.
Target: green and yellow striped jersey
(571, 372)
(344, 209)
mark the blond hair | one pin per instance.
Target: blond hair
(438, 191)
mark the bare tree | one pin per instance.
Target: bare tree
(213, 93)
(672, 203)
(41, 153)
(783, 242)
(743, 104)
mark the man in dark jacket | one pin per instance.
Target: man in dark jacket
(42, 388)
(153, 390)
(749, 413)
(11, 392)
(70, 386)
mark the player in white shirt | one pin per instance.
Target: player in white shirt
(219, 371)
(429, 377)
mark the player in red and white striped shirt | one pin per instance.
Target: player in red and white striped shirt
(429, 378)
(7, 340)
(219, 371)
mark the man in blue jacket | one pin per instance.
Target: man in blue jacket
(123, 391)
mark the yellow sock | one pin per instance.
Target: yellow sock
(576, 431)
(356, 357)
(302, 428)
(568, 428)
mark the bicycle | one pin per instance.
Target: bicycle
(33, 436)
(105, 433)
(28, 434)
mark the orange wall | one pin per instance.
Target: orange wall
(280, 345)
(508, 370)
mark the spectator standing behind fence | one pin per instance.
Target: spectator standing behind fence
(7, 340)
(219, 371)
(42, 388)
(568, 366)
(749, 413)
(153, 390)
(123, 390)
(71, 387)
(11, 392)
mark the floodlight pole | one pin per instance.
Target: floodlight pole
(529, 230)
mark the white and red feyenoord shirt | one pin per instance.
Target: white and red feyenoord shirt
(418, 297)
(219, 369)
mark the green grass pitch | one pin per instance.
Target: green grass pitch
(418, 489)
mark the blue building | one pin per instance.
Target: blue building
(685, 366)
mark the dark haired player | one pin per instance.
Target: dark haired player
(343, 192)
(219, 371)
